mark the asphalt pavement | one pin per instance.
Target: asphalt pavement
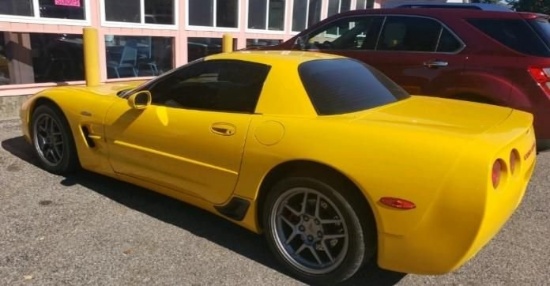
(93, 230)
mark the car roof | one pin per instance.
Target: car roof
(471, 6)
(431, 12)
(273, 57)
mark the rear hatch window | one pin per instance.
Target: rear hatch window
(340, 86)
(518, 34)
(542, 26)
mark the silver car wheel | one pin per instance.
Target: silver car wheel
(309, 230)
(48, 139)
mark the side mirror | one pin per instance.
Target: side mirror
(299, 43)
(140, 99)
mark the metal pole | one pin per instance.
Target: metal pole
(91, 56)
(227, 43)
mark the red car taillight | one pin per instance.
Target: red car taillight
(542, 77)
(496, 174)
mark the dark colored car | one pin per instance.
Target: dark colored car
(497, 57)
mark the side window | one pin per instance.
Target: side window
(448, 43)
(409, 34)
(216, 85)
(513, 33)
(357, 33)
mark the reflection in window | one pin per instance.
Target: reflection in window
(202, 47)
(201, 12)
(214, 13)
(266, 14)
(364, 4)
(122, 11)
(62, 9)
(17, 7)
(252, 43)
(38, 57)
(59, 9)
(131, 56)
(129, 11)
(338, 6)
(227, 12)
(305, 13)
(159, 12)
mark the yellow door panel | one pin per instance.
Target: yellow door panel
(192, 151)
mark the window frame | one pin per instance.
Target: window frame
(190, 27)
(142, 24)
(37, 19)
(339, 7)
(267, 31)
(306, 18)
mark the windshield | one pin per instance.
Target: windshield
(340, 86)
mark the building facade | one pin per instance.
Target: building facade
(41, 40)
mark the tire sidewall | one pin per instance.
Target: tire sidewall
(358, 250)
(69, 161)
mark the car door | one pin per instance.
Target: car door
(191, 138)
(419, 53)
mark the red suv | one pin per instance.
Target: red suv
(497, 57)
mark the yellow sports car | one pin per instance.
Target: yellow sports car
(326, 156)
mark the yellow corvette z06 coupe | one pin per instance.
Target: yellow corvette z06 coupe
(333, 162)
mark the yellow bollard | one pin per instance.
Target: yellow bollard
(227, 43)
(91, 56)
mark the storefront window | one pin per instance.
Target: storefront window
(37, 57)
(17, 7)
(214, 13)
(129, 11)
(305, 13)
(338, 6)
(266, 14)
(364, 4)
(133, 56)
(202, 47)
(59, 9)
(62, 9)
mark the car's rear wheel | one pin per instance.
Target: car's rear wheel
(318, 232)
(52, 140)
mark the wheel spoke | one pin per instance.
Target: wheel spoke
(287, 221)
(304, 201)
(300, 249)
(316, 255)
(331, 221)
(327, 251)
(291, 237)
(334, 236)
(293, 211)
(317, 206)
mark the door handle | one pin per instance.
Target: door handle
(436, 64)
(224, 129)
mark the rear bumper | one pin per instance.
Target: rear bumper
(465, 216)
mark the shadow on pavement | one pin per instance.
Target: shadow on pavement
(192, 219)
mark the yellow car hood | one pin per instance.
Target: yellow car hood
(438, 113)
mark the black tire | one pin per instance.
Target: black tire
(53, 141)
(331, 220)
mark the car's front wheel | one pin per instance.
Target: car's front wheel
(52, 140)
(318, 231)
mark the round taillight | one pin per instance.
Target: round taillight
(514, 161)
(496, 174)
